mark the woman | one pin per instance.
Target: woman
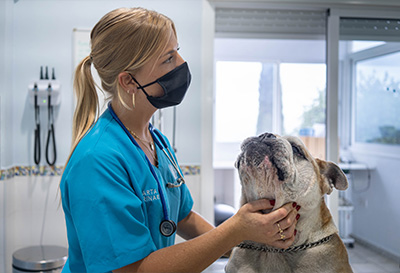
(120, 208)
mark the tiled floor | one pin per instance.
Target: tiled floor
(365, 260)
(362, 260)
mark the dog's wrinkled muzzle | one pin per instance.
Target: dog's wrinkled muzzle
(266, 136)
(265, 149)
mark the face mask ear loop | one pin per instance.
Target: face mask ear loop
(141, 87)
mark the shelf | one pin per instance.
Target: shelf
(353, 166)
(346, 208)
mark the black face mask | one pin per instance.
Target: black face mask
(175, 84)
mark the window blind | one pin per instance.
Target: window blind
(256, 23)
(369, 29)
(292, 24)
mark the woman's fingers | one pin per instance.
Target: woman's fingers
(290, 219)
(285, 225)
(283, 243)
(261, 204)
(286, 216)
(276, 228)
(286, 234)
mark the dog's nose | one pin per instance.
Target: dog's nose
(267, 135)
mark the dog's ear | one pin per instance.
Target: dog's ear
(237, 163)
(332, 176)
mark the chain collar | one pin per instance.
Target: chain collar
(290, 249)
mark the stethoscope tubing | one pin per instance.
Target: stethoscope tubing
(162, 197)
(168, 155)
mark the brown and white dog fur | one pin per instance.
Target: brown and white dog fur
(281, 168)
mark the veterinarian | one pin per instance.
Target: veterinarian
(122, 191)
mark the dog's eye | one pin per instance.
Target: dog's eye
(297, 152)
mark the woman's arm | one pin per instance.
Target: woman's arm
(197, 254)
(193, 225)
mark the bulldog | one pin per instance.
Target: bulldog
(282, 169)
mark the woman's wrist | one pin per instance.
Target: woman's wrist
(233, 229)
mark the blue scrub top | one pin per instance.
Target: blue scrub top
(111, 201)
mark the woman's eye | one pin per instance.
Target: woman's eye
(169, 59)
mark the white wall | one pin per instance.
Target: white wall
(6, 93)
(270, 50)
(376, 216)
(2, 227)
(4, 117)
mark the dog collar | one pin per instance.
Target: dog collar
(290, 249)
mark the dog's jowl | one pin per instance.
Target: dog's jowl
(281, 168)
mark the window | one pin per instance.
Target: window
(253, 97)
(243, 105)
(377, 99)
(236, 100)
(303, 98)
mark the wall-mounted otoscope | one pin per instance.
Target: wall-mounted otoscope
(45, 92)
(37, 129)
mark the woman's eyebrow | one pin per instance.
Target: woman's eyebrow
(171, 51)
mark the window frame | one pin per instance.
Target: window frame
(380, 149)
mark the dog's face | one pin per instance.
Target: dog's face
(281, 168)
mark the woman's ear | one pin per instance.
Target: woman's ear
(126, 82)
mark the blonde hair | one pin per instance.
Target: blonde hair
(123, 40)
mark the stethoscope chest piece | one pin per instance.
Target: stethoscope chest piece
(167, 227)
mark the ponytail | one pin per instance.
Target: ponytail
(87, 105)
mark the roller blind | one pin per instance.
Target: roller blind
(303, 24)
(259, 23)
(370, 29)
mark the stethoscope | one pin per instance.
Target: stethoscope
(167, 226)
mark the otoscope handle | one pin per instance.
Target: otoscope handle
(37, 144)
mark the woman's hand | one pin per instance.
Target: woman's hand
(276, 228)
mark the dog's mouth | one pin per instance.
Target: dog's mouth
(265, 151)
